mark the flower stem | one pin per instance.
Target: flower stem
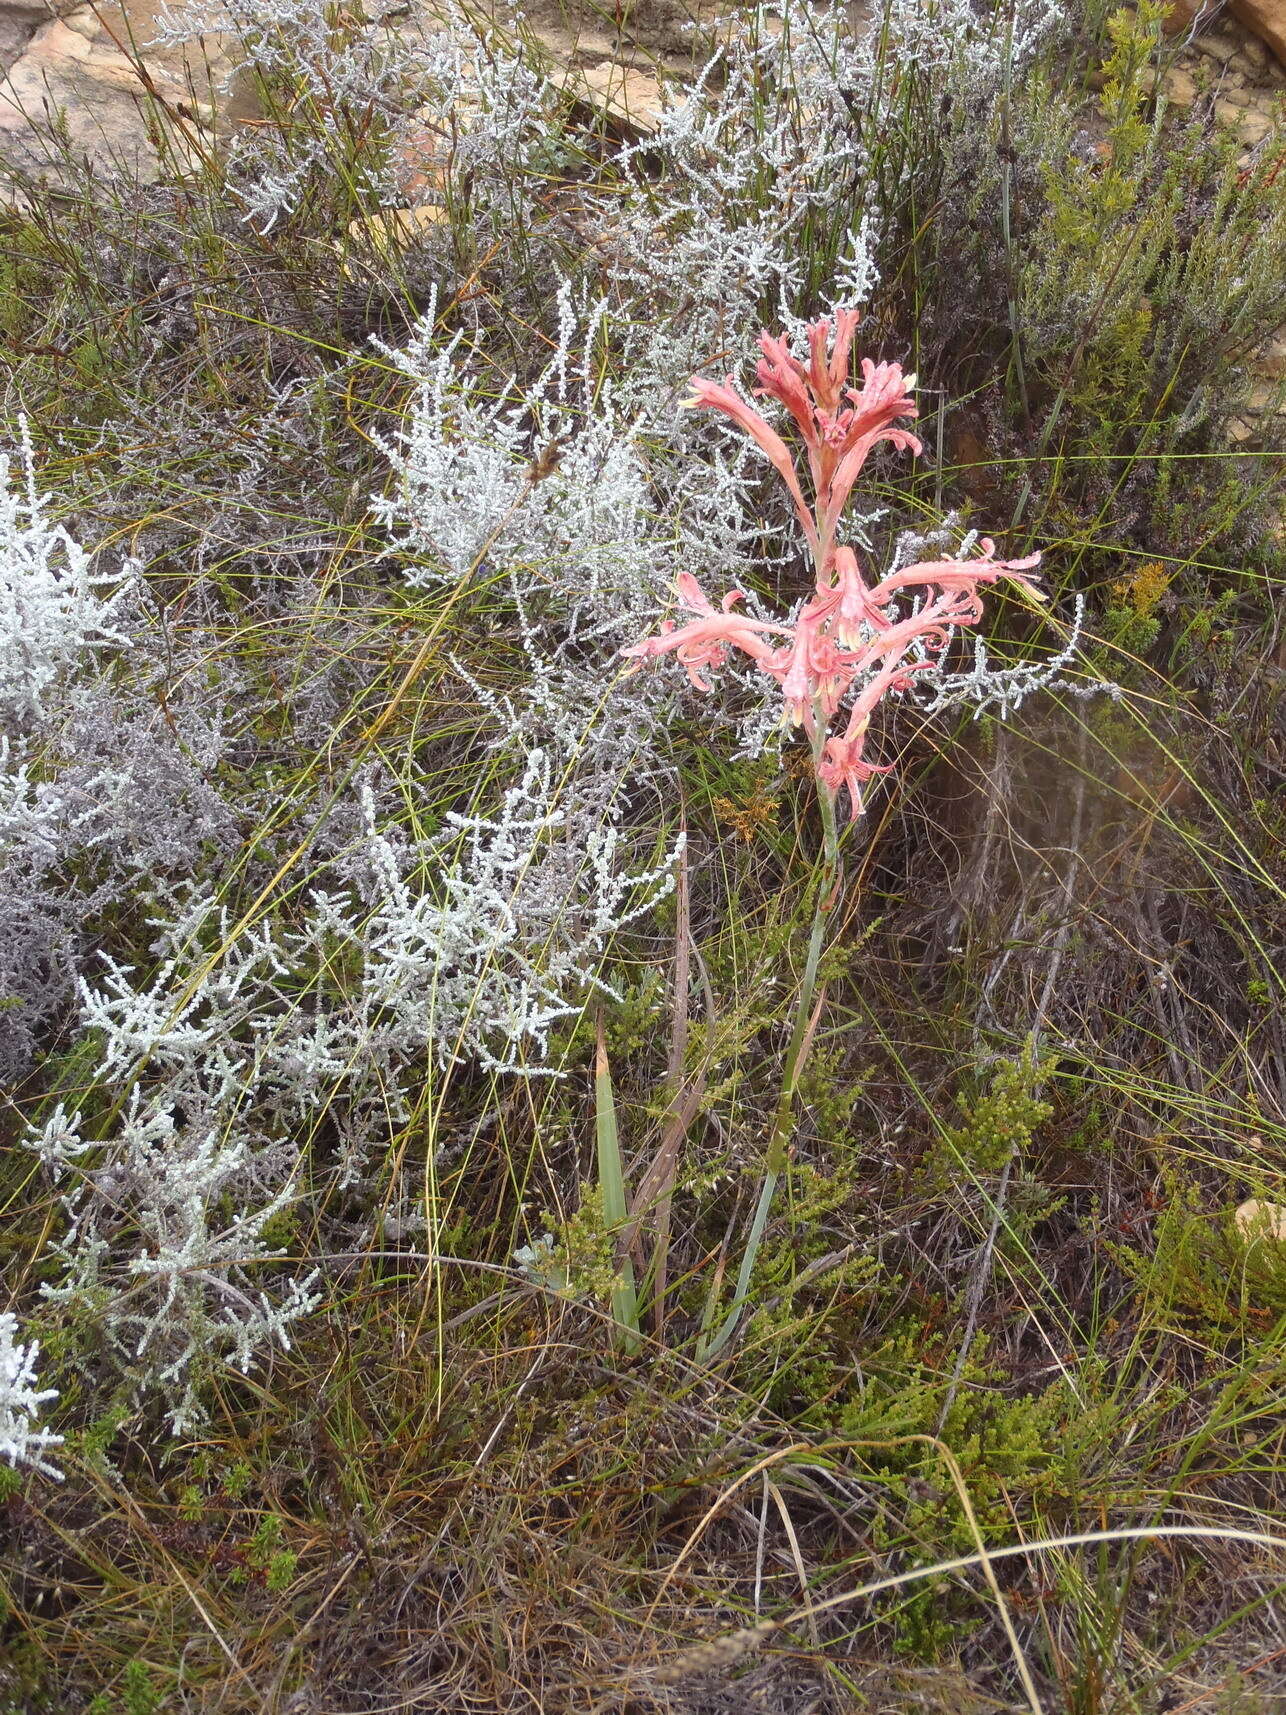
(778, 1155)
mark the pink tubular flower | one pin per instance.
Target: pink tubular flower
(813, 672)
(848, 634)
(843, 764)
(955, 575)
(705, 641)
(856, 611)
(726, 398)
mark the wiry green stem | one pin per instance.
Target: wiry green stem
(611, 1178)
(778, 1156)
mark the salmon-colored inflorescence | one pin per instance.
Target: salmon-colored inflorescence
(848, 633)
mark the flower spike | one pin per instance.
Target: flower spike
(850, 644)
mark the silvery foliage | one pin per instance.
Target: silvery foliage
(743, 180)
(51, 611)
(173, 1288)
(165, 1237)
(224, 1047)
(561, 508)
(224, 1052)
(510, 939)
(948, 33)
(104, 793)
(23, 1441)
(565, 503)
(1003, 690)
(764, 153)
(40, 919)
(110, 794)
(440, 87)
(483, 117)
(287, 39)
(336, 73)
(560, 512)
(56, 616)
(467, 502)
(471, 944)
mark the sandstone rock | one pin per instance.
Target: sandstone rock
(396, 223)
(96, 90)
(575, 47)
(1265, 19)
(203, 66)
(1180, 86)
(1272, 360)
(1253, 54)
(1259, 1220)
(1251, 66)
(1256, 124)
(1249, 123)
(19, 21)
(82, 21)
(423, 157)
(1188, 15)
(631, 98)
(1220, 48)
(80, 73)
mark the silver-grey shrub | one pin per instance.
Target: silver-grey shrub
(254, 1043)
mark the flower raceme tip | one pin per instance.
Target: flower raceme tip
(838, 424)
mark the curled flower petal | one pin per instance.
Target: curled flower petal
(705, 641)
(961, 575)
(856, 612)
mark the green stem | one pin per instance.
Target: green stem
(778, 1156)
(611, 1178)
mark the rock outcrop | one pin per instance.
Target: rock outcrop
(1266, 20)
(87, 75)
